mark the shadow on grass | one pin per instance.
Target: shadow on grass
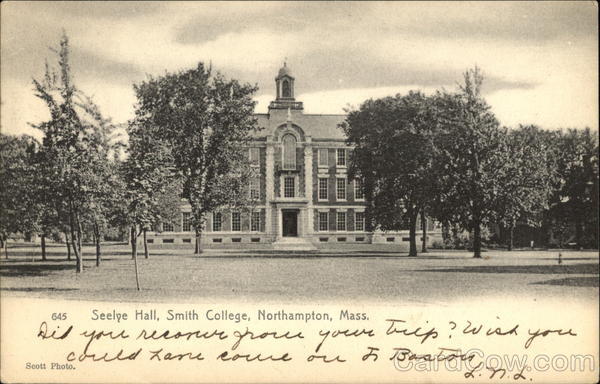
(48, 289)
(32, 270)
(317, 255)
(575, 269)
(568, 258)
(572, 282)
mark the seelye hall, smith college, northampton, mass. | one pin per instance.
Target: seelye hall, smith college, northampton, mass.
(305, 198)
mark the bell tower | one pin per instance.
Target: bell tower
(284, 83)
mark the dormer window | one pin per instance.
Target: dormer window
(289, 152)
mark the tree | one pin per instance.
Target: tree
(527, 179)
(17, 208)
(575, 200)
(68, 158)
(206, 121)
(146, 173)
(392, 156)
(470, 158)
(106, 185)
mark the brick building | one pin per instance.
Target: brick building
(304, 195)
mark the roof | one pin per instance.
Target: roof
(285, 71)
(314, 125)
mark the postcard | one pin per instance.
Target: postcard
(286, 192)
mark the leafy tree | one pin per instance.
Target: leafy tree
(17, 201)
(106, 185)
(68, 159)
(146, 174)
(575, 200)
(470, 158)
(206, 121)
(527, 179)
(392, 155)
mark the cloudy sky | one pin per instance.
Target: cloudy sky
(540, 60)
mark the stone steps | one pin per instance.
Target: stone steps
(293, 244)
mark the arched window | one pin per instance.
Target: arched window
(289, 151)
(285, 89)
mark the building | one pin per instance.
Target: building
(305, 196)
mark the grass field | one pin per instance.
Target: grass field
(378, 274)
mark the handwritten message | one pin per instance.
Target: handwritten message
(104, 342)
(412, 342)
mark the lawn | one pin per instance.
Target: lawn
(375, 274)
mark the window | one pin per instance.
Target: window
(255, 222)
(254, 156)
(285, 89)
(255, 188)
(186, 222)
(167, 227)
(359, 221)
(341, 221)
(323, 157)
(288, 187)
(359, 193)
(217, 222)
(236, 222)
(323, 191)
(341, 157)
(289, 151)
(323, 221)
(341, 189)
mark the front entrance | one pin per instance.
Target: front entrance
(290, 223)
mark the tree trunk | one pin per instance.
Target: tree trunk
(511, 237)
(145, 245)
(477, 240)
(76, 242)
(97, 238)
(134, 255)
(413, 235)
(198, 249)
(578, 231)
(77, 252)
(424, 231)
(43, 243)
(68, 246)
(5, 247)
(79, 238)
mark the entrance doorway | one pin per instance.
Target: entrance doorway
(290, 223)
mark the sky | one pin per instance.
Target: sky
(539, 59)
